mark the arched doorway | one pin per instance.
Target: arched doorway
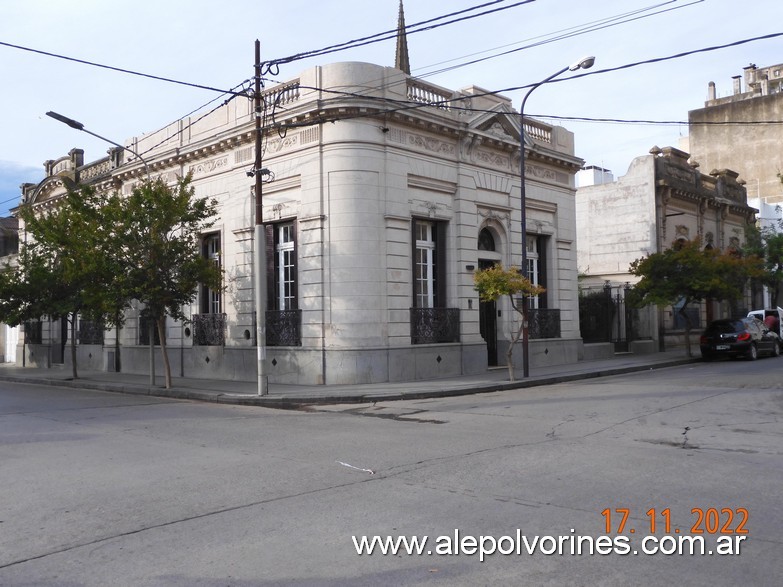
(488, 312)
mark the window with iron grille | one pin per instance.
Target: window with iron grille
(211, 302)
(431, 321)
(283, 317)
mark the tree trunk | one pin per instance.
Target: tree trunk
(73, 345)
(687, 329)
(166, 365)
(117, 362)
(151, 327)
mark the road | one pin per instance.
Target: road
(103, 489)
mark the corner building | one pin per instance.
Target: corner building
(382, 195)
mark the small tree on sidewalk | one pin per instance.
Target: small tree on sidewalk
(161, 227)
(495, 282)
(688, 274)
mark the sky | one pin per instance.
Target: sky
(212, 44)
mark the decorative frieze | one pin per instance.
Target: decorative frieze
(492, 159)
(546, 174)
(208, 166)
(431, 144)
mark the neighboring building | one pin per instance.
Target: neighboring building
(662, 198)
(386, 193)
(593, 175)
(750, 146)
(9, 247)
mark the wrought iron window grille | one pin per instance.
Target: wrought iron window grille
(209, 329)
(90, 332)
(434, 325)
(284, 328)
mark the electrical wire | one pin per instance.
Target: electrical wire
(187, 126)
(390, 34)
(599, 24)
(112, 68)
(668, 58)
(544, 36)
(573, 32)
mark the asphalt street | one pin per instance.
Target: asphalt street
(110, 489)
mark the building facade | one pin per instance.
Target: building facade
(382, 195)
(661, 199)
(751, 145)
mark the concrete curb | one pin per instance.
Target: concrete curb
(302, 400)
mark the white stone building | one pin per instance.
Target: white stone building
(661, 199)
(383, 194)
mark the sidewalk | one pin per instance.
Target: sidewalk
(292, 396)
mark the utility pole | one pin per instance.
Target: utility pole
(260, 239)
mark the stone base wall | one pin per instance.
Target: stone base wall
(300, 366)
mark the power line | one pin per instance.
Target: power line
(542, 36)
(575, 31)
(112, 68)
(184, 128)
(668, 58)
(390, 34)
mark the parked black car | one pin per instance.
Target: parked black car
(746, 337)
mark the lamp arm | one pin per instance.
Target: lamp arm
(132, 152)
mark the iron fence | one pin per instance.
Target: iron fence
(90, 332)
(33, 332)
(284, 328)
(434, 325)
(209, 329)
(543, 323)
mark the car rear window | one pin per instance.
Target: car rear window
(726, 326)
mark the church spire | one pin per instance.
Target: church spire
(401, 60)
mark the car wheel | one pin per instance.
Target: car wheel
(707, 357)
(753, 352)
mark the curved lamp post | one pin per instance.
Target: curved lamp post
(79, 126)
(584, 63)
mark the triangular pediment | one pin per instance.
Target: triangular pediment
(501, 122)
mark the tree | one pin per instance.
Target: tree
(65, 267)
(689, 274)
(495, 282)
(767, 244)
(160, 227)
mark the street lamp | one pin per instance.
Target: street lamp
(584, 63)
(79, 126)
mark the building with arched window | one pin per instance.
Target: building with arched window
(382, 195)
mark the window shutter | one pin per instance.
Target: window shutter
(271, 274)
(542, 269)
(414, 232)
(439, 229)
(295, 288)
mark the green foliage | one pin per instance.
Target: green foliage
(687, 273)
(159, 230)
(92, 254)
(767, 244)
(495, 282)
